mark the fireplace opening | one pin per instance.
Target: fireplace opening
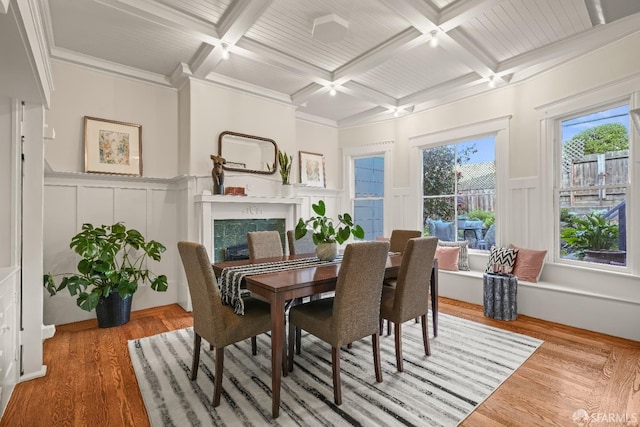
(230, 235)
(236, 252)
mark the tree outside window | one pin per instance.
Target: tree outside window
(459, 192)
(594, 181)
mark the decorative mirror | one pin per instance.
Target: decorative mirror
(247, 153)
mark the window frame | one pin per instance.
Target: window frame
(625, 91)
(383, 149)
(499, 129)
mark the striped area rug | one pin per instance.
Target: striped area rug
(468, 362)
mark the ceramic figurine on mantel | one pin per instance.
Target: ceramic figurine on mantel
(285, 163)
(217, 173)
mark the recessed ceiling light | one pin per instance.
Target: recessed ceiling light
(434, 39)
(332, 90)
(492, 82)
(225, 51)
(396, 112)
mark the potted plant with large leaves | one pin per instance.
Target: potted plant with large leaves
(326, 235)
(113, 264)
(594, 239)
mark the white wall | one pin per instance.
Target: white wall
(579, 295)
(5, 182)
(148, 205)
(322, 139)
(82, 92)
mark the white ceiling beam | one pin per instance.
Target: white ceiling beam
(458, 43)
(457, 13)
(108, 66)
(166, 16)
(259, 52)
(574, 46)
(417, 12)
(239, 18)
(309, 91)
(364, 92)
(363, 116)
(461, 82)
(234, 23)
(398, 44)
(422, 18)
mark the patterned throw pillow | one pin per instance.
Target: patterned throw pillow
(463, 257)
(447, 257)
(503, 257)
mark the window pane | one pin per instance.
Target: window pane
(368, 204)
(369, 176)
(369, 214)
(593, 187)
(459, 189)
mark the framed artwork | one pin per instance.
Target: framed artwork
(112, 147)
(312, 169)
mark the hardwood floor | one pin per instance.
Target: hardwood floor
(90, 380)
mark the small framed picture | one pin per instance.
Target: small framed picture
(112, 147)
(312, 169)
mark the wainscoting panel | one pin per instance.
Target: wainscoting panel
(146, 204)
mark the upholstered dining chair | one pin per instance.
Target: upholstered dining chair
(213, 321)
(409, 298)
(397, 242)
(353, 313)
(301, 246)
(399, 239)
(264, 244)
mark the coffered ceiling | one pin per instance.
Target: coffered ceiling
(383, 65)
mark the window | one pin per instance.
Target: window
(368, 202)
(459, 191)
(592, 186)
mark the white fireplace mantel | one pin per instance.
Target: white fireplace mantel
(212, 207)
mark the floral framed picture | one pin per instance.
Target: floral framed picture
(112, 147)
(312, 169)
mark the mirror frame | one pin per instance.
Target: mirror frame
(244, 135)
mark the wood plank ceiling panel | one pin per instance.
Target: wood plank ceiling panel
(287, 26)
(335, 107)
(207, 10)
(149, 46)
(261, 74)
(514, 27)
(417, 69)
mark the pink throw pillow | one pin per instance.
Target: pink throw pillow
(529, 263)
(448, 257)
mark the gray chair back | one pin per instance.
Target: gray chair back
(205, 297)
(356, 305)
(412, 287)
(301, 246)
(399, 239)
(264, 244)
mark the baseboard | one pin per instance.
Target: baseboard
(37, 374)
(48, 331)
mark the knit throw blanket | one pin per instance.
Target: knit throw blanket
(231, 277)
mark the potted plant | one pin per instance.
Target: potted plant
(593, 238)
(285, 163)
(325, 234)
(111, 268)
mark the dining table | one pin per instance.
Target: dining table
(279, 287)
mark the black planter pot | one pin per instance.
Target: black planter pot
(606, 257)
(113, 310)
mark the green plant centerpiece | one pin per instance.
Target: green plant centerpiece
(113, 264)
(593, 238)
(326, 235)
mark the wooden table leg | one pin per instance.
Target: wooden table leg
(277, 345)
(434, 296)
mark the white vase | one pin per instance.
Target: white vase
(288, 190)
(327, 251)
